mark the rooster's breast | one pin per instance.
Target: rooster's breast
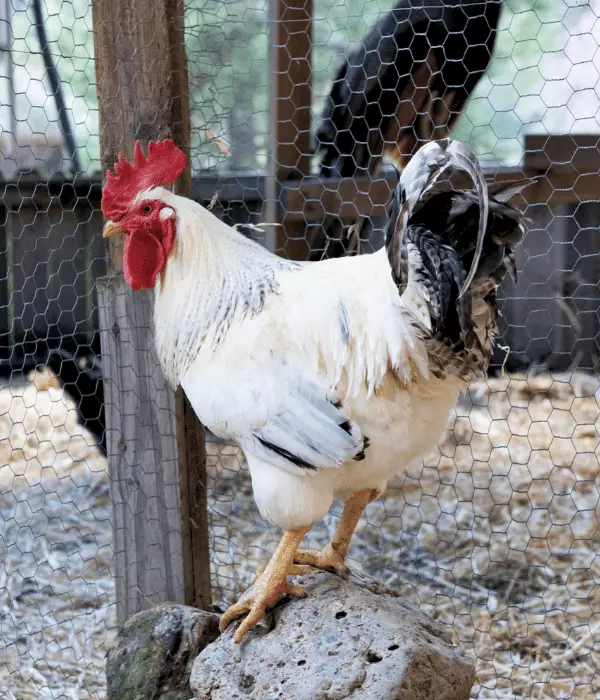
(400, 427)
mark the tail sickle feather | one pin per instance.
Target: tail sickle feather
(438, 158)
(453, 247)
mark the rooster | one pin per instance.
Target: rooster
(331, 376)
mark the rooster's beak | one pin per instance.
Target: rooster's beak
(111, 230)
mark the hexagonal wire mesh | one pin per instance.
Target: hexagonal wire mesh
(495, 531)
(56, 551)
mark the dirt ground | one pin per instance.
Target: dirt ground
(495, 533)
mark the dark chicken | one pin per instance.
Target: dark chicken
(81, 379)
(405, 85)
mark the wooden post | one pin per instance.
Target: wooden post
(290, 103)
(155, 443)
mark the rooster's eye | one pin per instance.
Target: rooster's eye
(147, 209)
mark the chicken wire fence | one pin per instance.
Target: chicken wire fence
(495, 531)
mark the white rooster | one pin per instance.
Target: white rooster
(332, 376)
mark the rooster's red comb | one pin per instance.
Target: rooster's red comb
(164, 164)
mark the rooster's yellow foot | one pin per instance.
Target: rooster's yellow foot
(266, 592)
(293, 570)
(328, 559)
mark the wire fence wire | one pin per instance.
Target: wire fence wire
(494, 532)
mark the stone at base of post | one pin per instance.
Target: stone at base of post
(152, 656)
(348, 639)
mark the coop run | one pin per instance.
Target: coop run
(296, 117)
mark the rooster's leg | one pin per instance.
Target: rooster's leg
(269, 587)
(333, 557)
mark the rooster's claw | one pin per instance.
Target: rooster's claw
(265, 594)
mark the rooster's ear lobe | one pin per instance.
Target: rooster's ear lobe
(166, 213)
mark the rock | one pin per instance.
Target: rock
(152, 655)
(347, 639)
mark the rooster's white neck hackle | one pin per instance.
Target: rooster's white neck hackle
(213, 274)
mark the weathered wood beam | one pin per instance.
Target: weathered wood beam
(290, 104)
(563, 153)
(567, 168)
(155, 443)
(310, 200)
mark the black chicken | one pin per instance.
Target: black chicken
(82, 381)
(406, 84)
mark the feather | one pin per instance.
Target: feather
(313, 432)
(465, 158)
(503, 191)
(435, 234)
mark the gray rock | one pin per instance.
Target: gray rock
(353, 639)
(152, 656)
